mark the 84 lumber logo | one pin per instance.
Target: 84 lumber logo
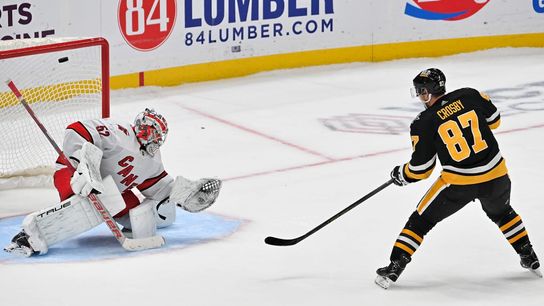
(146, 24)
(235, 21)
(449, 10)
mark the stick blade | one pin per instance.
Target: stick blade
(143, 243)
(280, 242)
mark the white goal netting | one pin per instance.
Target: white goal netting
(63, 80)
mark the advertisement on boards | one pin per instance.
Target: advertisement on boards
(450, 10)
(146, 24)
(155, 34)
(236, 21)
(20, 20)
(169, 33)
(538, 5)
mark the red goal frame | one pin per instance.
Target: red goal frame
(71, 45)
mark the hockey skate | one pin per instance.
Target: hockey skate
(529, 260)
(20, 246)
(390, 274)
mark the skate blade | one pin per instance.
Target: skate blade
(383, 281)
(536, 272)
(19, 251)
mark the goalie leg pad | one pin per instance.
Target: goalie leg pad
(60, 222)
(165, 213)
(142, 220)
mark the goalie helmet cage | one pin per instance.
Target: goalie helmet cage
(64, 80)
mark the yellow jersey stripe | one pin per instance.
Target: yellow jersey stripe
(413, 235)
(518, 237)
(495, 125)
(459, 179)
(402, 246)
(438, 186)
(415, 176)
(509, 224)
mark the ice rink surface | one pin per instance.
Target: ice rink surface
(294, 148)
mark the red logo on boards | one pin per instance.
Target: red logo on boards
(146, 24)
(444, 9)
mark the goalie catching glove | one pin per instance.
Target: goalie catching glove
(195, 196)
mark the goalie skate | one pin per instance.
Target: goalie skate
(20, 246)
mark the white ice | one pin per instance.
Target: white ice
(285, 172)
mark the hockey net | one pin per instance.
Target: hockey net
(64, 80)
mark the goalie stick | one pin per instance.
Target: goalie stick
(128, 244)
(286, 242)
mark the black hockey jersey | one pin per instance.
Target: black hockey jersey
(457, 129)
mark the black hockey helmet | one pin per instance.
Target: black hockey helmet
(432, 81)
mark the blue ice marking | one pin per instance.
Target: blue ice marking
(98, 243)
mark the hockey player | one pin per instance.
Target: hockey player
(121, 163)
(455, 128)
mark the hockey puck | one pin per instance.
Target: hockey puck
(63, 59)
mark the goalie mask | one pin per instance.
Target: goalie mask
(151, 130)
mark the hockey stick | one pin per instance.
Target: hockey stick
(285, 242)
(127, 243)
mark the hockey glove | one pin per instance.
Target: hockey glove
(81, 184)
(398, 176)
(87, 178)
(195, 196)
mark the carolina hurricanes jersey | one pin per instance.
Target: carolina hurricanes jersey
(122, 158)
(457, 130)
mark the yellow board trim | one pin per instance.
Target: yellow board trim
(402, 246)
(457, 179)
(413, 235)
(373, 53)
(512, 222)
(518, 237)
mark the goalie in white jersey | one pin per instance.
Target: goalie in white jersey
(121, 163)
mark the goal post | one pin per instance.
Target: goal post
(65, 80)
